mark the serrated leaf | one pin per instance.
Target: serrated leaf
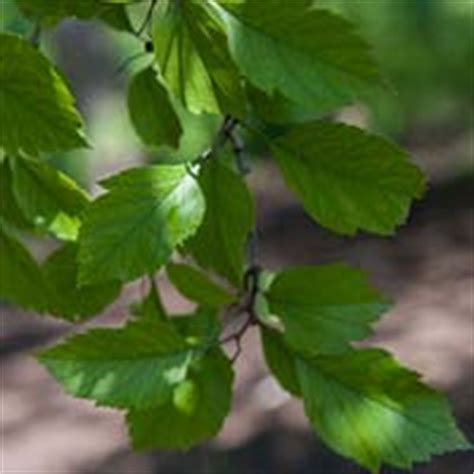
(137, 366)
(132, 230)
(71, 302)
(366, 406)
(190, 47)
(21, 279)
(197, 286)
(200, 328)
(219, 243)
(312, 56)
(40, 115)
(348, 179)
(51, 200)
(281, 361)
(324, 308)
(151, 110)
(196, 412)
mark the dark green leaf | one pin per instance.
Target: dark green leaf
(71, 302)
(312, 56)
(197, 286)
(324, 308)
(21, 279)
(195, 412)
(133, 229)
(219, 243)
(151, 111)
(347, 179)
(39, 111)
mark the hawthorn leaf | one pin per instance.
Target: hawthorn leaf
(74, 303)
(52, 201)
(132, 229)
(151, 110)
(197, 286)
(21, 279)
(39, 110)
(219, 243)
(150, 307)
(196, 411)
(136, 366)
(348, 179)
(312, 56)
(190, 48)
(48, 13)
(280, 360)
(200, 328)
(366, 406)
(324, 308)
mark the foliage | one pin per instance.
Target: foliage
(250, 66)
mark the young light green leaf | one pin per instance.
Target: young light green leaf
(197, 286)
(133, 229)
(21, 280)
(71, 302)
(39, 111)
(195, 413)
(190, 48)
(151, 110)
(312, 56)
(137, 366)
(219, 243)
(48, 198)
(366, 406)
(324, 308)
(347, 179)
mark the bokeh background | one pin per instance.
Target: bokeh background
(425, 48)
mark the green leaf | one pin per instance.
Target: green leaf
(71, 302)
(198, 135)
(347, 179)
(50, 12)
(197, 286)
(281, 361)
(133, 229)
(9, 209)
(190, 48)
(219, 243)
(366, 406)
(40, 115)
(48, 198)
(149, 307)
(137, 366)
(201, 328)
(195, 413)
(151, 111)
(324, 308)
(21, 279)
(312, 56)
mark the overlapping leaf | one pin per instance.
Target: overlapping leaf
(190, 49)
(133, 229)
(37, 112)
(219, 243)
(48, 198)
(137, 366)
(324, 308)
